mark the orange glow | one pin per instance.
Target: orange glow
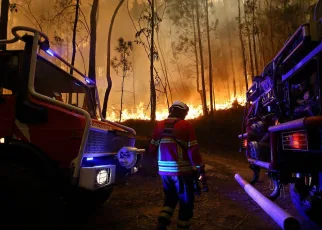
(141, 112)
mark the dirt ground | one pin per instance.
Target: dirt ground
(137, 203)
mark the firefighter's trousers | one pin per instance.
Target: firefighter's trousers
(178, 189)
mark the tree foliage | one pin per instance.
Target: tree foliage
(122, 64)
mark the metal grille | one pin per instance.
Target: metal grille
(96, 142)
(106, 142)
(296, 140)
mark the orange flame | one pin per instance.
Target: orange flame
(141, 113)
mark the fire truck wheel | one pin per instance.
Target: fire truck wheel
(308, 206)
(27, 199)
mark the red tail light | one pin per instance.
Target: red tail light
(244, 143)
(295, 140)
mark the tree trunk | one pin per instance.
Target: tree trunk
(249, 44)
(253, 36)
(241, 87)
(123, 77)
(165, 72)
(152, 85)
(204, 98)
(212, 97)
(92, 47)
(4, 22)
(74, 44)
(225, 69)
(197, 60)
(286, 22)
(74, 36)
(271, 29)
(231, 55)
(260, 43)
(302, 6)
(242, 45)
(133, 83)
(260, 37)
(108, 61)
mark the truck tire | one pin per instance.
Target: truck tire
(309, 207)
(27, 199)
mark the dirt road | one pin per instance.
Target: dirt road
(136, 204)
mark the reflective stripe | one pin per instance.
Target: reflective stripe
(159, 154)
(167, 141)
(184, 223)
(155, 142)
(171, 140)
(163, 214)
(175, 169)
(192, 143)
(167, 209)
(174, 163)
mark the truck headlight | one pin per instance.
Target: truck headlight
(97, 177)
(101, 177)
(127, 157)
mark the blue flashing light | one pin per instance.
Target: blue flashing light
(50, 52)
(89, 158)
(88, 80)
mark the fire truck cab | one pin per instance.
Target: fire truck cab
(52, 133)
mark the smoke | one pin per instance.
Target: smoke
(181, 70)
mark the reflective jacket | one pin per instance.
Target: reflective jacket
(177, 152)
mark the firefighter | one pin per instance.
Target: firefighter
(174, 144)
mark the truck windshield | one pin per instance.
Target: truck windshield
(54, 82)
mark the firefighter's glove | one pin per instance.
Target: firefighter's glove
(203, 178)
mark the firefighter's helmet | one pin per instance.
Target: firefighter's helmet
(179, 105)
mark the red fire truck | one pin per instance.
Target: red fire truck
(282, 131)
(55, 145)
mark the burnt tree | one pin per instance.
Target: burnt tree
(4, 22)
(108, 61)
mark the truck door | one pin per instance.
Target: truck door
(9, 70)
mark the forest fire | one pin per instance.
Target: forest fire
(142, 113)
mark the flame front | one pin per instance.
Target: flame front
(141, 112)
